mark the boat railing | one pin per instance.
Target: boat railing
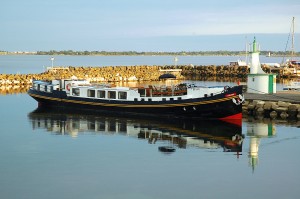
(162, 91)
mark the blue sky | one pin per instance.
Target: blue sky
(146, 25)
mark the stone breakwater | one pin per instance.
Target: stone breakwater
(94, 74)
(9, 90)
(132, 73)
(215, 71)
(123, 73)
(271, 109)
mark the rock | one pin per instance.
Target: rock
(245, 110)
(268, 105)
(284, 115)
(283, 104)
(281, 109)
(293, 107)
(275, 106)
(251, 106)
(246, 103)
(273, 114)
(260, 111)
(258, 102)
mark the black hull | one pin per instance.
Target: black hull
(219, 106)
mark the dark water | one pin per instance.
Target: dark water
(48, 154)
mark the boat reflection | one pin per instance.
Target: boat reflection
(168, 134)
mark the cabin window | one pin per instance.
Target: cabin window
(142, 99)
(179, 98)
(91, 93)
(91, 126)
(101, 126)
(50, 89)
(111, 94)
(101, 94)
(149, 99)
(171, 99)
(211, 94)
(111, 127)
(142, 92)
(122, 95)
(75, 125)
(135, 99)
(163, 99)
(122, 127)
(76, 91)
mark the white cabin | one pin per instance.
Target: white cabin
(83, 89)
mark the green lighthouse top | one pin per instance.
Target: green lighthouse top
(255, 46)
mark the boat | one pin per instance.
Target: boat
(238, 63)
(181, 100)
(292, 65)
(292, 86)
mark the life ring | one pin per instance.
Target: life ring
(68, 87)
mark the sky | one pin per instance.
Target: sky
(147, 25)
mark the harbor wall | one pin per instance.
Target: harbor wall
(134, 73)
(271, 109)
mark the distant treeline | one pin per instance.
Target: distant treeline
(182, 53)
(135, 53)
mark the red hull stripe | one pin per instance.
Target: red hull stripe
(234, 119)
(230, 95)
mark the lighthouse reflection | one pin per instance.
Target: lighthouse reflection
(255, 132)
(167, 134)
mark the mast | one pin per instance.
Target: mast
(246, 50)
(292, 32)
(293, 35)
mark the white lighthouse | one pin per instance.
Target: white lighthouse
(259, 81)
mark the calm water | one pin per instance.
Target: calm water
(67, 155)
(70, 155)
